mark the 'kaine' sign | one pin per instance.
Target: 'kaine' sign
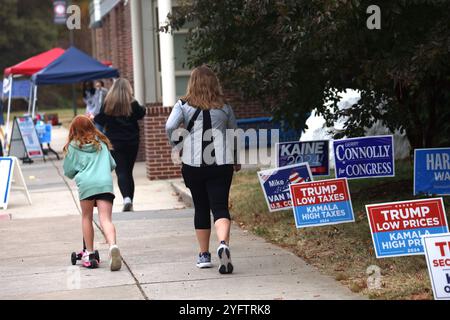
(313, 152)
(366, 157)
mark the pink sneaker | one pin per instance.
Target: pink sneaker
(89, 260)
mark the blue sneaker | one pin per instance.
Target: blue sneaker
(225, 258)
(204, 260)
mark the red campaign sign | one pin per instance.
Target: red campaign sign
(326, 191)
(407, 215)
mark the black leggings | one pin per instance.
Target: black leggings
(125, 157)
(210, 188)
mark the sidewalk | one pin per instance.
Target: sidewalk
(158, 247)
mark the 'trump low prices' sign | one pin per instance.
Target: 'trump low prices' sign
(275, 184)
(437, 252)
(321, 203)
(365, 157)
(432, 171)
(397, 227)
(313, 152)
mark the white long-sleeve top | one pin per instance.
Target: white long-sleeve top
(223, 124)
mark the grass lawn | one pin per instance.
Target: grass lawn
(344, 251)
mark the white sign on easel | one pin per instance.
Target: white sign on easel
(10, 173)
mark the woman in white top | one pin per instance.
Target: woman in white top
(208, 159)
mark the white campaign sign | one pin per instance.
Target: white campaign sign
(437, 252)
(11, 176)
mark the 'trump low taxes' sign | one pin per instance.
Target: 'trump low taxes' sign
(321, 203)
(437, 252)
(397, 227)
(366, 157)
(313, 152)
(275, 184)
(432, 171)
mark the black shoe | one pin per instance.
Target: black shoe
(128, 207)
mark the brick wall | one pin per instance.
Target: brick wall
(158, 150)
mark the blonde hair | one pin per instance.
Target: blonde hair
(82, 131)
(119, 98)
(204, 90)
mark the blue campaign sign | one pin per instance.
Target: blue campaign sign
(313, 152)
(365, 157)
(275, 184)
(432, 171)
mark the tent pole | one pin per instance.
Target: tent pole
(34, 101)
(8, 114)
(30, 97)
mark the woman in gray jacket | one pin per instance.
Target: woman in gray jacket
(209, 159)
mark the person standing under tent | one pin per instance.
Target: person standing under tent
(89, 98)
(207, 171)
(119, 116)
(99, 99)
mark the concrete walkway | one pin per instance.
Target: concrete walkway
(158, 247)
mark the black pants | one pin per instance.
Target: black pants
(125, 157)
(210, 189)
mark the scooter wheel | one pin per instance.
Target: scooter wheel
(73, 258)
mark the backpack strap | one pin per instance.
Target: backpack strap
(192, 121)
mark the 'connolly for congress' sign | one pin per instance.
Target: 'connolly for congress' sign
(321, 203)
(432, 171)
(365, 157)
(313, 152)
(275, 184)
(397, 227)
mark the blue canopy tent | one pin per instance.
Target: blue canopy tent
(71, 67)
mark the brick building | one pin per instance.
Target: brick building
(125, 32)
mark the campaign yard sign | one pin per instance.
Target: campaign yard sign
(313, 152)
(275, 184)
(397, 227)
(365, 157)
(437, 252)
(432, 171)
(321, 203)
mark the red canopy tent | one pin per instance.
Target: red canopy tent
(34, 64)
(28, 68)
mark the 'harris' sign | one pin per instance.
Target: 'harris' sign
(366, 157)
(432, 171)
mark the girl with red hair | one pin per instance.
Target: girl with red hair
(88, 160)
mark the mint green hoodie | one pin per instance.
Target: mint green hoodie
(90, 168)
